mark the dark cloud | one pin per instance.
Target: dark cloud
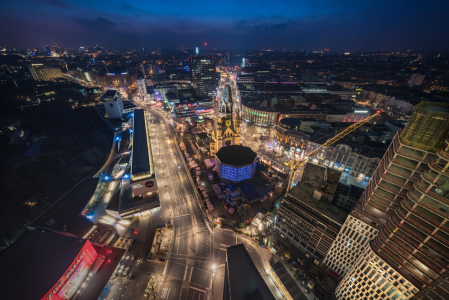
(239, 25)
(99, 22)
(305, 24)
(55, 3)
(183, 27)
(268, 27)
(129, 5)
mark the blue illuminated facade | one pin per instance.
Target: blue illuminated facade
(235, 164)
(235, 174)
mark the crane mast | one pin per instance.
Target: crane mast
(293, 164)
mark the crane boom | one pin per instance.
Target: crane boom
(293, 164)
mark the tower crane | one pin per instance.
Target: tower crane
(294, 164)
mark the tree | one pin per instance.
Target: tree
(242, 217)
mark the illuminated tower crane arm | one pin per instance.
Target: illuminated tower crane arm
(293, 164)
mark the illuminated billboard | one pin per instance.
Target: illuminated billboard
(70, 281)
(70, 287)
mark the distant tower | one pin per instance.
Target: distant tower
(243, 63)
(197, 50)
(48, 49)
(226, 125)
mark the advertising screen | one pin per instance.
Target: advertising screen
(68, 284)
(144, 186)
(70, 287)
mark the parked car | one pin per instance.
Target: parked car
(132, 258)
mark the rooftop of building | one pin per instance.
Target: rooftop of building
(245, 281)
(38, 260)
(65, 214)
(249, 192)
(128, 105)
(131, 203)
(122, 201)
(313, 179)
(123, 145)
(400, 93)
(141, 160)
(110, 94)
(192, 102)
(236, 155)
(101, 278)
(171, 96)
(287, 280)
(297, 121)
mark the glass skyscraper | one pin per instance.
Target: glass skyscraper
(204, 75)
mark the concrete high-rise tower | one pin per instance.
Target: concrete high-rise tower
(396, 241)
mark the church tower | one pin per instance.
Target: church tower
(226, 124)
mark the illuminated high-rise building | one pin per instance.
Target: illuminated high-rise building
(243, 63)
(48, 49)
(197, 51)
(401, 218)
(203, 75)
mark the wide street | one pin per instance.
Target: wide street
(197, 255)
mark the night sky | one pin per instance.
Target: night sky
(231, 24)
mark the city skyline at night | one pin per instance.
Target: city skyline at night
(303, 25)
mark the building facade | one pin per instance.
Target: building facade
(308, 224)
(191, 110)
(44, 73)
(259, 116)
(113, 104)
(203, 74)
(350, 242)
(161, 89)
(271, 116)
(408, 200)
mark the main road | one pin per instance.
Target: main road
(195, 265)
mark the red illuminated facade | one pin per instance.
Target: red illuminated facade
(194, 109)
(75, 274)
